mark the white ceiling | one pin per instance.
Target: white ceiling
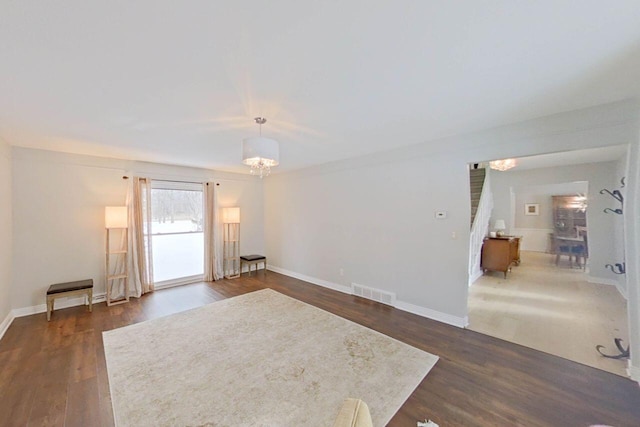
(179, 82)
(565, 158)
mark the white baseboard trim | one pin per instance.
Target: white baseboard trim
(533, 239)
(60, 303)
(177, 282)
(610, 282)
(602, 281)
(325, 284)
(460, 322)
(475, 276)
(633, 372)
(6, 323)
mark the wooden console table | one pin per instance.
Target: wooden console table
(500, 253)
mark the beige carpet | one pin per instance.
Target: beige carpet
(260, 359)
(552, 309)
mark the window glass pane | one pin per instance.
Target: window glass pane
(176, 211)
(177, 255)
(176, 228)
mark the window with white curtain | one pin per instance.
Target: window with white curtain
(177, 231)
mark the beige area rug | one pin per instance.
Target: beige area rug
(260, 359)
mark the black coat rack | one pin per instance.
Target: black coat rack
(616, 194)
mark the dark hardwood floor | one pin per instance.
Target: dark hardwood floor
(55, 373)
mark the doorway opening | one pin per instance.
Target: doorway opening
(177, 232)
(557, 295)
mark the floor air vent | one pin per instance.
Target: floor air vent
(378, 295)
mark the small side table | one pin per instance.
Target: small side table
(68, 289)
(253, 259)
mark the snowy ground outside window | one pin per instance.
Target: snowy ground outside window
(177, 255)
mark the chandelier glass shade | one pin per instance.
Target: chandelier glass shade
(502, 165)
(260, 153)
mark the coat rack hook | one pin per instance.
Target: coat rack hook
(617, 269)
(615, 211)
(616, 194)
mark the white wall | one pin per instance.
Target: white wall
(378, 225)
(620, 235)
(5, 232)
(58, 221)
(543, 200)
(632, 252)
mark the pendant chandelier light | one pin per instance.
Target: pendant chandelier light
(502, 165)
(260, 153)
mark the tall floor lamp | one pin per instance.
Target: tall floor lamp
(115, 217)
(231, 238)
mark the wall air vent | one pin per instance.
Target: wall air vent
(378, 295)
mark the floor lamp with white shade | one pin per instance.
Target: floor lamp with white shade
(115, 217)
(231, 239)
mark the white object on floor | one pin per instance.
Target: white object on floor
(427, 423)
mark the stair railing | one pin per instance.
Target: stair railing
(479, 229)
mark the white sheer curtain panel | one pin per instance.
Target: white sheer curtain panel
(212, 261)
(140, 255)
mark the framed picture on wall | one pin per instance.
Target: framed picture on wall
(532, 209)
